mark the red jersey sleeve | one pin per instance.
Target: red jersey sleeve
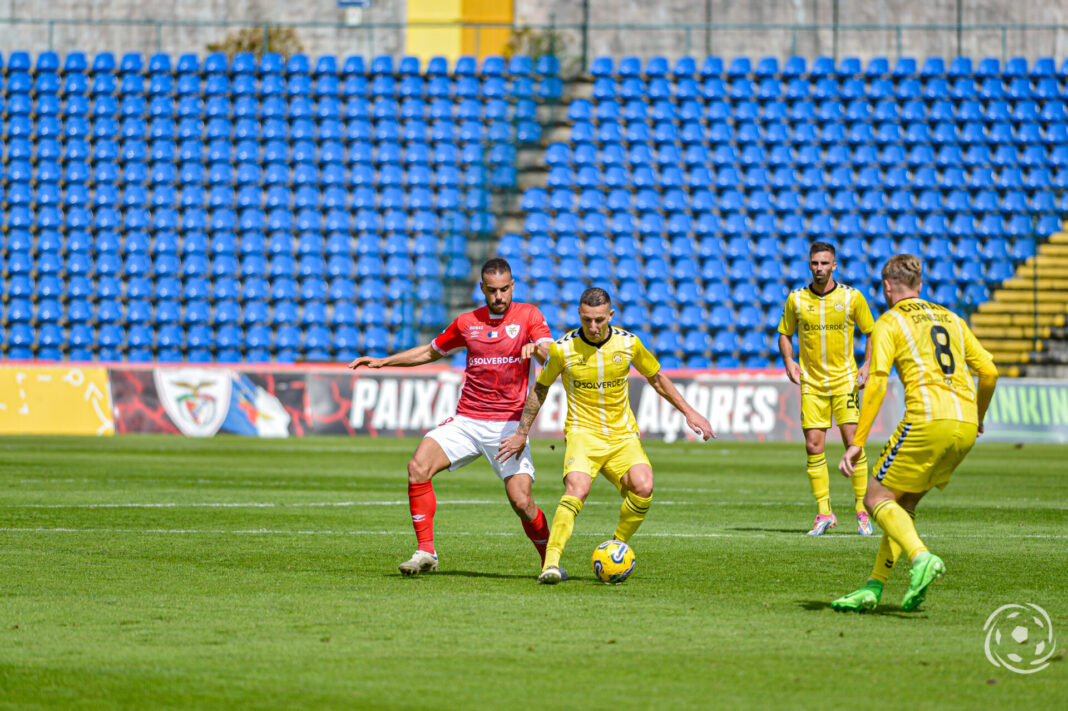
(450, 340)
(537, 327)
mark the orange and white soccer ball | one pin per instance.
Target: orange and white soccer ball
(613, 561)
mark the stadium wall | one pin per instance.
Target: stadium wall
(718, 27)
(615, 27)
(133, 25)
(203, 401)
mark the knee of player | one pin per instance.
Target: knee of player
(644, 489)
(418, 472)
(814, 447)
(577, 487)
(871, 500)
(522, 503)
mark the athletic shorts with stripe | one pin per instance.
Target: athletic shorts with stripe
(816, 410)
(591, 454)
(920, 456)
(465, 439)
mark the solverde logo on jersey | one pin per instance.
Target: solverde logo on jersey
(824, 326)
(603, 385)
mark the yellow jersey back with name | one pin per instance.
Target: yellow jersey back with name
(933, 350)
(595, 377)
(824, 326)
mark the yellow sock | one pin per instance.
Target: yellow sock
(896, 523)
(885, 559)
(820, 481)
(631, 514)
(563, 526)
(887, 555)
(860, 481)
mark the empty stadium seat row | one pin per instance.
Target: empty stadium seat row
(395, 290)
(333, 201)
(755, 197)
(161, 88)
(140, 311)
(247, 244)
(813, 174)
(273, 63)
(198, 343)
(795, 66)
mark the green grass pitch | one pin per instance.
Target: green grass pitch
(162, 572)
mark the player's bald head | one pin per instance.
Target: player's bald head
(905, 270)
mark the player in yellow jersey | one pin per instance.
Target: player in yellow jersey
(935, 353)
(601, 431)
(823, 314)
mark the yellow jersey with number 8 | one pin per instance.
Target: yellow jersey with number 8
(934, 351)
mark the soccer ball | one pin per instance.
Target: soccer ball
(613, 561)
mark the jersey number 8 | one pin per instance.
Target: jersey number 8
(940, 339)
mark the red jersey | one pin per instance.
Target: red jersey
(497, 380)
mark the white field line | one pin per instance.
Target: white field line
(441, 502)
(344, 504)
(798, 537)
(235, 505)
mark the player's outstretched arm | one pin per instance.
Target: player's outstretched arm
(695, 420)
(420, 355)
(786, 350)
(514, 444)
(536, 350)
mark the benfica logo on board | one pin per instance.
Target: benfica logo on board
(196, 399)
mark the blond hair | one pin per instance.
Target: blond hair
(904, 269)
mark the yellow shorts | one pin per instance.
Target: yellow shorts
(590, 454)
(922, 455)
(816, 410)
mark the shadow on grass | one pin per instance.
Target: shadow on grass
(883, 610)
(470, 574)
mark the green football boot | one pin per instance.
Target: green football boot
(860, 600)
(925, 570)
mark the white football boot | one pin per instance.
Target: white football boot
(420, 562)
(551, 575)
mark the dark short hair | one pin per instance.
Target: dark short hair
(595, 296)
(497, 265)
(821, 247)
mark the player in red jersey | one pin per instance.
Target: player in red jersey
(500, 338)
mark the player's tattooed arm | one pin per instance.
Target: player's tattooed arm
(535, 399)
(514, 444)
